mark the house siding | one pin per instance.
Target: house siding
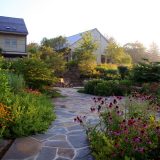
(100, 40)
(20, 44)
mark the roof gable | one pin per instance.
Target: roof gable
(13, 25)
(73, 39)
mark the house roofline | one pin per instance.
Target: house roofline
(101, 34)
(89, 31)
(15, 33)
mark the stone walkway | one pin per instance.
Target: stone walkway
(65, 139)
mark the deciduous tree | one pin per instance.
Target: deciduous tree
(116, 54)
(84, 54)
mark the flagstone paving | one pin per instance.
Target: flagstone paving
(65, 139)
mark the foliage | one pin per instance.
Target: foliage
(128, 128)
(112, 87)
(108, 88)
(108, 74)
(116, 54)
(35, 72)
(54, 60)
(1, 61)
(136, 51)
(16, 82)
(154, 49)
(102, 146)
(5, 90)
(146, 72)
(56, 44)
(89, 87)
(22, 113)
(84, 54)
(31, 113)
(123, 71)
(107, 66)
(5, 118)
(71, 64)
(33, 48)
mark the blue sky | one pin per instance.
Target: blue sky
(125, 20)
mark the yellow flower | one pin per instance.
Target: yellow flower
(152, 119)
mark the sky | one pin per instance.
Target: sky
(125, 20)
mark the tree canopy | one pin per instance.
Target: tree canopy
(84, 54)
(116, 54)
(56, 43)
(136, 51)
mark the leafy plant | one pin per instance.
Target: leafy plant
(123, 71)
(5, 91)
(16, 82)
(127, 129)
(35, 72)
(146, 72)
(31, 113)
(90, 86)
(108, 88)
(5, 118)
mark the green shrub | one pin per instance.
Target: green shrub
(89, 87)
(5, 119)
(35, 72)
(108, 66)
(107, 73)
(24, 113)
(5, 91)
(146, 72)
(102, 146)
(16, 82)
(71, 64)
(31, 113)
(108, 88)
(123, 71)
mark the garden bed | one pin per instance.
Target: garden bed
(129, 128)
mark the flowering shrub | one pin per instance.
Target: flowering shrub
(35, 92)
(22, 113)
(5, 118)
(128, 128)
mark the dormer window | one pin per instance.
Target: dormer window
(8, 27)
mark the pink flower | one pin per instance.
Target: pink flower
(110, 105)
(141, 150)
(137, 139)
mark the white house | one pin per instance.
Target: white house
(102, 42)
(13, 37)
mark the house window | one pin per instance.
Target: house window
(11, 43)
(102, 58)
(14, 43)
(7, 43)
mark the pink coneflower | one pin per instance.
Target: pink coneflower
(114, 101)
(137, 139)
(110, 105)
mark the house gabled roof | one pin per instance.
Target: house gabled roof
(72, 39)
(12, 25)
